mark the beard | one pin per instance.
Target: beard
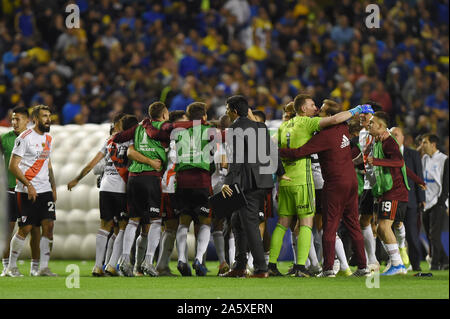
(43, 128)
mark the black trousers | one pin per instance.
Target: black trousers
(433, 223)
(412, 236)
(245, 225)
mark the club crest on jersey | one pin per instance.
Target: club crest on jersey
(24, 219)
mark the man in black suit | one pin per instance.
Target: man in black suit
(252, 171)
(416, 200)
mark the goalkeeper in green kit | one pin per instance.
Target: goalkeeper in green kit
(297, 197)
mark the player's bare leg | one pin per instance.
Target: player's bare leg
(45, 245)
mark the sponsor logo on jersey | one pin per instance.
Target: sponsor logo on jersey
(204, 209)
(154, 209)
(345, 141)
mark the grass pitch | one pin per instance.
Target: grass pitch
(213, 287)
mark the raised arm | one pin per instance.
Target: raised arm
(345, 115)
(125, 136)
(316, 144)
(85, 170)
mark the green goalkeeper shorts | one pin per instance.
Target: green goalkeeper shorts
(296, 200)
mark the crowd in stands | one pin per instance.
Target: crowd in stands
(128, 54)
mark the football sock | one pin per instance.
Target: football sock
(368, 244)
(128, 239)
(250, 260)
(117, 249)
(219, 244)
(312, 253)
(294, 246)
(303, 244)
(165, 250)
(100, 247)
(46, 247)
(231, 249)
(307, 263)
(394, 254)
(182, 242)
(318, 244)
(34, 264)
(5, 262)
(141, 248)
(109, 248)
(276, 242)
(16, 246)
(154, 235)
(204, 234)
(400, 234)
(340, 253)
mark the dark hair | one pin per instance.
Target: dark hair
(35, 111)
(432, 138)
(300, 100)
(156, 109)
(354, 126)
(21, 110)
(383, 116)
(260, 114)
(176, 115)
(239, 104)
(128, 121)
(375, 106)
(117, 117)
(196, 111)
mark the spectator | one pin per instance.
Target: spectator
(183, 99)
(342, 34)
(71, 109)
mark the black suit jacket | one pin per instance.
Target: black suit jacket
(412, 160)
(246, 166)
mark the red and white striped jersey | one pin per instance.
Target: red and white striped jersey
(115, 173)
(34, 149)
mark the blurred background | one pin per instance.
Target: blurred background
(128, 54)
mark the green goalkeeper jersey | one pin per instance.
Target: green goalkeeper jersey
(293, 134)
(7, 141)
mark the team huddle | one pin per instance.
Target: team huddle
(153, 185)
